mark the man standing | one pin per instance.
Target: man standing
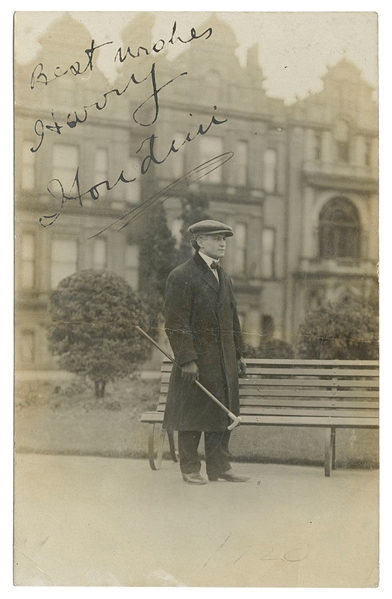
(203, 328)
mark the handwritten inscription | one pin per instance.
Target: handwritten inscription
(161, 44)
(39, 79)
(150, 150)
(75, 119)
(94, 192)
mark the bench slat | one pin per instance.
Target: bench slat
(157, 417)
(167, 365)
(308, 383)
(311, 372)
(312, 421)
(305, 403)
(297, 411)
(254, 375)
(330, 372)
(291, 411)
(298, 403)
(301, 393)
(266, 387)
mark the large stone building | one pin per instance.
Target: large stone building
(300, 189)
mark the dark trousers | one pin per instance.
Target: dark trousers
(216, 450)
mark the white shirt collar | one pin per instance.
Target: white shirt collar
(208, 259)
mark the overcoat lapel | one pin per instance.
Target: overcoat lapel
(207, 273)
(223, 288)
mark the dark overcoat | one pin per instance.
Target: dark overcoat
(201, 322)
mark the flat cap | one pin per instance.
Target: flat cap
(210, 227)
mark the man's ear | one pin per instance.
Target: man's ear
(200, 241)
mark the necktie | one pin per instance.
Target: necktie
(214, 267)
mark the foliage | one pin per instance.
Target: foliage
(273, 348)
(94, 315)
(347, 330)
(194, 209)
(158, 257)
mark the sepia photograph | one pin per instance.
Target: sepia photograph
(196, 309)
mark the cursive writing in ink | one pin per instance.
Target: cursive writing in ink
(164, 194)
(174, 147)
(151, 157)
(171, 190)
(74, 118)
(160, 44)
(40, 80)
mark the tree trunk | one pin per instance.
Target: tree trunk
(99, 388)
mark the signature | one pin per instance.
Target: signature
(135, 213)
(150, 158)
(73, 120)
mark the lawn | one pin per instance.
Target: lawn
(65, 417)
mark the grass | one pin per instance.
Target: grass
(65, 417)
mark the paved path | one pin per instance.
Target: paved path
(101, 522)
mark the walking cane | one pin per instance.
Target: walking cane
(236, 419)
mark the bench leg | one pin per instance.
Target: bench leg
(328, 452)
(333, 437)
(155, 464)
(172, 446)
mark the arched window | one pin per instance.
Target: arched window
(339, 230)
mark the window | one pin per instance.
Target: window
(270, 170)
(132, 190)
(100, 254)
(64, 259)
(268, 253)
(101, 166)
(341, 135)
(339, 230)
(240, 238)
(65, 164)
(27, 346)
(28, 171)
(27, 271)
(210, 147)
(241, 154)
(132, 265)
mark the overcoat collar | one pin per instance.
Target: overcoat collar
(207, 273)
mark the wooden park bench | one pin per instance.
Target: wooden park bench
(327, 394)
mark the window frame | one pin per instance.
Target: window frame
(332, 232)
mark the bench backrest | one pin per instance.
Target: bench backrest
(322, 388)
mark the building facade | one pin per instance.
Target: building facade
(299, 186)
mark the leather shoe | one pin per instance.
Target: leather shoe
(194, 478)
(230, 476)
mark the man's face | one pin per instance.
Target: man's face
(213, 246)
